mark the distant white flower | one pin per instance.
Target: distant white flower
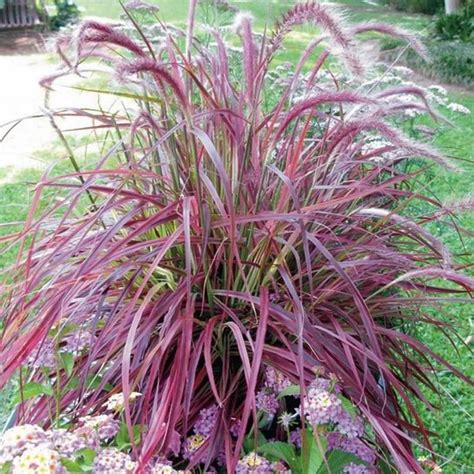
(412, 113)
(438, 90)
(404, 71)
(438, 99)
(459, 108)
(141, 6)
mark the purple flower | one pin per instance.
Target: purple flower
(280, 468)
(349, 426)
(267, 402)
(275, 380)
(354, 446)
(206, 421)
(44, 356)
(321, 407)
(235, 428)
(320, 384)
(353, 468)
(295, 438)
(77, 342)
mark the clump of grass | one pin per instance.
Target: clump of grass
(227, 237)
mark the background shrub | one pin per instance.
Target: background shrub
(458, 25)
(429, 7)
(451, 61)
(67, 12)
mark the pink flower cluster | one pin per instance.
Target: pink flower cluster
(352, 445)
(104, 426)
(353, 468)
(30, 445)
(253, 463)
(206, 421)
(322, 406)
(113, 461)
(203, 427)
(46, 355)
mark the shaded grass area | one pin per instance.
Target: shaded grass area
(453, 421)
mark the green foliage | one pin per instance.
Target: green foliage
(451, 62)
(313, 455)
(337, 460)
(32, 390)
(429, 7)
(458, 25)
(281, 451)
(67, 12)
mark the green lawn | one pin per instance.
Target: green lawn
(454, 419)
(453, 422)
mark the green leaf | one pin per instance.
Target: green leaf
(280, 451)
(31, 390)
(71, 466)
(337, 460)
(122, 440)
(290, 390)
(86, 457)
(250, 443)
(61, 331)
(72, 384)
(5, 468)
(312, 455)
(348, 405)
(67, 361)
(385, 467)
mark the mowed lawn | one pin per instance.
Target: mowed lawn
(454, 419)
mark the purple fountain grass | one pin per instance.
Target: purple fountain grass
(222, 239)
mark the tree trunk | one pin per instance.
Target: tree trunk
(451, 5)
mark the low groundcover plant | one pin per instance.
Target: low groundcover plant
(230, 287)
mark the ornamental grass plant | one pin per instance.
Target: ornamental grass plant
(230, 287)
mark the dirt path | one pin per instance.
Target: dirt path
(23, 64)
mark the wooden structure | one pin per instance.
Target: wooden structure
(18, 14)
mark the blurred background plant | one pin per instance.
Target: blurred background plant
(456, 26)
(63, 14)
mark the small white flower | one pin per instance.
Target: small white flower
(402, 70)
(412, 113)
(438, 90)
(459, 108)
(116, 402)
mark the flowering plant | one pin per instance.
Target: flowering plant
(221, 249)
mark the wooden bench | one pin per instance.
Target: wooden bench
(18, 14)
